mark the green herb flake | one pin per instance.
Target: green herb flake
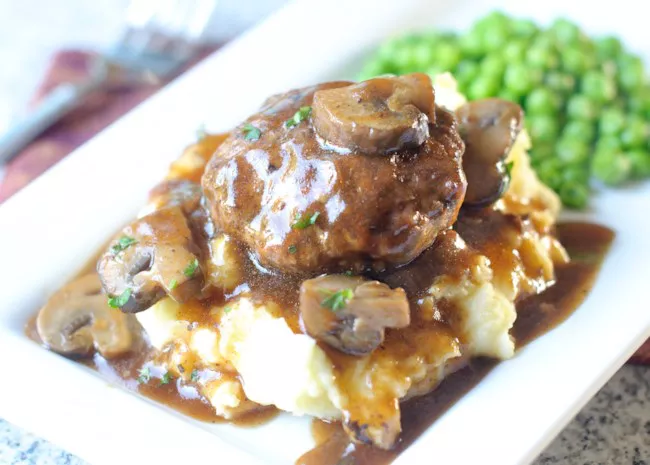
(120, 300)
(227, 309)
(509, 167)
(336, 301)
(348, 273)
(166, 378)
(123, 243)
(191, 268)
(298, 117)
(172, 284)
(304, 221)
(194, 376)
(251, 132)
(293, 249)
(144, 375)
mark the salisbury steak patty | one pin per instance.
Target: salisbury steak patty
(305, 202)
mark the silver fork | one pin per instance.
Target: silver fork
(158, 38)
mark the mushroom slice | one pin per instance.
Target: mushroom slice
(176, 192)
(489, 128)
(77, 319)
(380, 115)
(351, 313)
(153, 256)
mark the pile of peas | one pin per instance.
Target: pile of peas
(587, 101)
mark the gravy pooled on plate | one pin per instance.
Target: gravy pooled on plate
(338, 254)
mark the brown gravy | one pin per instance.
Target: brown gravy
(587, 245)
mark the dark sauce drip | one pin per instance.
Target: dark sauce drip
(587, 245)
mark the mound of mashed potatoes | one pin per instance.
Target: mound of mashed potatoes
(243, 353)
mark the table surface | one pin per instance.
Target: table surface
(614, 428)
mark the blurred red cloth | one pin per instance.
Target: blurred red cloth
(93, 115)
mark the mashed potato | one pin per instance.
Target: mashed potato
(269, 364)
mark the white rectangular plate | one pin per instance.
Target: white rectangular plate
(49, 230)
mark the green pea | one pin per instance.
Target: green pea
(483, 87)
(574, 195)
(598, 87)
(631, 74)
(608, 47)
(611, 167)
(423, 55)
(514, 51)
(612, 121)
(581, 107)
(494, 39)
(557, 81)
(447, 56)
(507, 94)
(608, 144)
(635, 133)
(542, 151)
(565, 31)
(471, 44)
(578, 174)
(575, 61)
(542, 101)
(520, 79)
(388, 49)
(640, 160)
(494, 20)
(493, 66)
(404, 59)
(525, 28)
(543, 128)
(550, 171)
(579, 130)
(542, 57)
(572, 151)
(466, 72)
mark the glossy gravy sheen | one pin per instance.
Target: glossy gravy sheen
(587, 245)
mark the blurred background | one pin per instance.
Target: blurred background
(31, 31)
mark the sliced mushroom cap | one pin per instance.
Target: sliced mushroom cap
(489, 128)
(351, 313)
(380, 115)
(159, 258)
(77, 320)
(175, 193)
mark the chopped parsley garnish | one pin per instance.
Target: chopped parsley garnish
(191, 268)
(144, 375)
(336, 301)
(201, 133)
(172, 284)
(251, 132)
(298, 117)
(293, 249)
(509, 167)
(123, 243)
(166, 378)
(304, 221)
(195, 375)
(120, 300)
(227, 309)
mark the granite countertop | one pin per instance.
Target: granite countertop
(614, 428)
